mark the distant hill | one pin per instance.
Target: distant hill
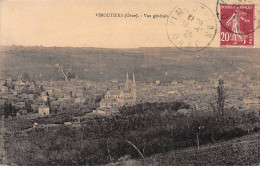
(149, 64)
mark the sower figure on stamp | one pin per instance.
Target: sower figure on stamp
(234, 21)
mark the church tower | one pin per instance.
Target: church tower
(133, 83)
(133, 87)
(126, 82)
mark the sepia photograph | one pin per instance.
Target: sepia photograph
(129, 83)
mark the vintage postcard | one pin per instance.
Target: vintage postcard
(129, 82)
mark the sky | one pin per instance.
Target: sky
(74, 23)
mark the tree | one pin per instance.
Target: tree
(14, 112)
(41, 88)
(9, 110)
(26, 77)
(84, 92)
(71, 75)
(118, 125)
(221, 97)
(198, 130)
(48, 102)
(5, 83)
(6, 110)
(28, 107)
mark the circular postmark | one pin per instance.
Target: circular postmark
(191, 26)
(238, 16)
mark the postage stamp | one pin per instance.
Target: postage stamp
(237, 25)
(191, 27)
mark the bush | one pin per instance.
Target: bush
(152, 127)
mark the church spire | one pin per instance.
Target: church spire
(133, 84)
(133, 88)
(126, 82)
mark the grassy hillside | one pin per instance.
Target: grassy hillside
(155, 128)
(244, 150)
(149, 64)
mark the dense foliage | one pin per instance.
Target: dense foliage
(141, 130)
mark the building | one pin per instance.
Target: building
(190, 82)
(4, 89)
(44, 110)
(174, 82)
(115, 98)
(80, 100)
(44, 98)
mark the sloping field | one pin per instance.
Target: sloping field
(239, 151)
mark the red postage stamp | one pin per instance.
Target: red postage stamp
(237, 25)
